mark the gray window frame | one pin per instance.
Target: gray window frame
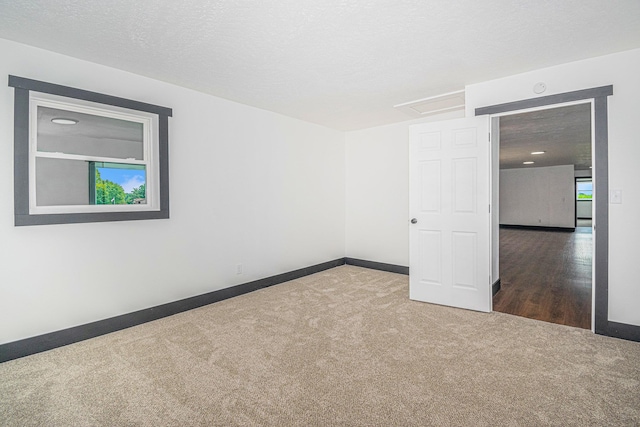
(22, 87)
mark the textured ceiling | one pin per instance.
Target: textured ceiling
(564, 134)
(342, 64)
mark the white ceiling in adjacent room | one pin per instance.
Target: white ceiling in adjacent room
(336, 63)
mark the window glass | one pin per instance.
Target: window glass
(118, 184)
(584, 190)
(61, 182)
(72, 132)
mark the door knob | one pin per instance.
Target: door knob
(414, 220)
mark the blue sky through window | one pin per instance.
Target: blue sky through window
(127, 178)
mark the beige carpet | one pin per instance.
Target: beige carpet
(345, 347)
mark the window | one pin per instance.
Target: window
(86, 157)
(584, 189)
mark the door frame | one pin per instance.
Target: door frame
(600, 173)
(495, 186)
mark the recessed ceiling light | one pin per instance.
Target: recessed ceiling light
(527, 163)
(538, 152)
(64, 121)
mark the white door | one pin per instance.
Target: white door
(449, 203)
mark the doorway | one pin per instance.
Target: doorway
(598, 96)
(545, 261)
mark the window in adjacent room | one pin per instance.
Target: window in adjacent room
(584, 189)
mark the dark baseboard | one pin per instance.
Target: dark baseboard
(38, 344)
(621, 330)
(392, 268)
(539, 228)
(495, 287)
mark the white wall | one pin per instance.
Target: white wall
(620, 70)
(377, 220)
(538, 196)
(247, 186)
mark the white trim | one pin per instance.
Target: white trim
(150, 153)
(70, 209)
(65, 156)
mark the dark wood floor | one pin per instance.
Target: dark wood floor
(546, 275)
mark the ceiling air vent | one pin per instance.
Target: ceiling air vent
(446, 102)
